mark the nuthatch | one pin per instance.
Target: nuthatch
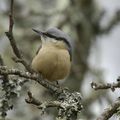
(53, 59)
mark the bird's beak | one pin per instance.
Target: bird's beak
(38, 32)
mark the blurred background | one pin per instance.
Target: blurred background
(94, 26)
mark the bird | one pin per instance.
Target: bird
(54, 58)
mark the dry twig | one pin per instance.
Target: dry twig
(111, 86)
(11, 38)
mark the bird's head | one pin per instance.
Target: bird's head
(55, 37)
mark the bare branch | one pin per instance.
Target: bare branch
(111, 86)
(10, 32)
(109, 112)
(5, 105)
(11, 21)
(11, 38)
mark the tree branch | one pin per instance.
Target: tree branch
(36, 77)
(111, 86)
(67, 103)
(109, 112)
(11, 38)
(32, 100)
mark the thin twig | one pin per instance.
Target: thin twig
(11, 21)
(11, 38)
(111, 86)
(32, 100)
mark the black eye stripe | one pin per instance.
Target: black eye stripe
(58, 38)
